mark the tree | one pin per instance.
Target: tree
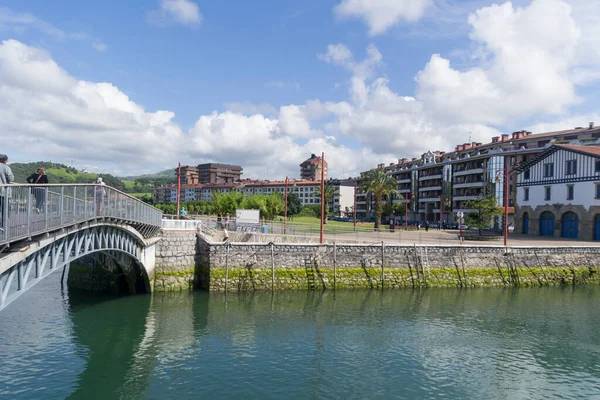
(396, 209)
(294, 205)
(380, 184)
(227, 203)
(329, 192)
(274, 205)
(487, 209)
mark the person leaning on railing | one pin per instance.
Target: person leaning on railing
(6, 177)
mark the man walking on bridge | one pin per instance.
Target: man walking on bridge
(6, 177)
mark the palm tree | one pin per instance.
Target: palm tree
(330, 191)
(378, 182)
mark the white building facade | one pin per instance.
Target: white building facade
(558, 193)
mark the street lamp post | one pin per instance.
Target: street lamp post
(354, 210)
(406, 211)
(505, 204)
(285, 207)
(178, 188)
(504, 176)
(322, 195)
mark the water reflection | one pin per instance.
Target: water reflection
(475, 343)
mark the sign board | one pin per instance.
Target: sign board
(247, 220)
(460, 214)
(247, 216)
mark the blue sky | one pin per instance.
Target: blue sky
(144, 84)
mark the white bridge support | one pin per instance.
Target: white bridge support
(28, 263)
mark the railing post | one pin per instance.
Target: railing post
(61, 203)
(46, 199)
(74, 203)
(28, 206)
(85, 194)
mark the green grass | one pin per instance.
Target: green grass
(311, 224)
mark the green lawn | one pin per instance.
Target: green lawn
(311, 224)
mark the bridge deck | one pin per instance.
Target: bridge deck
(30, 210)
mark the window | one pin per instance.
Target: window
(526, 194)
(527, 174)
(548, 193)
(570, 192)
(548, 170)
(598, 190)
(597, 169)
(571, 167)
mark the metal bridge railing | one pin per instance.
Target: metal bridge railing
(29, 210)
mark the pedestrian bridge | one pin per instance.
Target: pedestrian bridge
(44, 228)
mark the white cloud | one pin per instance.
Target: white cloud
(340, 54)
(55, 116)
(524, 71)
(380, 15)
(184, 12)
(22, 22)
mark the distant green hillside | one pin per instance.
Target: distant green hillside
(60, 173)
(167, 173)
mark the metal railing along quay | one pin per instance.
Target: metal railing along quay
(29, 210)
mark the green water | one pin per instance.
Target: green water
(436, 343)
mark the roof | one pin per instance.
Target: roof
(591, 150)
(555, 133)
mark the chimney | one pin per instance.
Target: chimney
(473, 144)
(380, 165)
(592, 125)
(391, 164)
(467, 146)
(459, 147)
(414, 159)
(495, 139)
(479, 143)
(504, 137)
(515, 135)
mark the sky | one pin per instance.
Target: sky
(135, 87)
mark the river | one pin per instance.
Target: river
(460, 344)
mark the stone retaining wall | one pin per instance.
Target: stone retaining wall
(177, 257)
(185, 260)
(302, 266)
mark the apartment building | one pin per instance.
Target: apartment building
(310, 169)
(219, 173)
(438, 184)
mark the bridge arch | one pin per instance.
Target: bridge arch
(31, 262)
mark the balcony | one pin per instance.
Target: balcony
(469, 197)
(429, 199)
(403, 190)
(403, 180)
(427, 188)
(429, 177)
(472, 171)
(476, 184)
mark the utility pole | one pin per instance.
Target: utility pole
(505, 201)
(285, 207)
(178, 188)
(322, 195)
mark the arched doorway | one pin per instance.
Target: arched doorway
(570, 225)
(547, 224)
(525, 223)
(597, 227)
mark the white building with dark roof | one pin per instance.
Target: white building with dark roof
(558, 193)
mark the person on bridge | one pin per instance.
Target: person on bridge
(6, 177)
(100, 193)
(39, 178)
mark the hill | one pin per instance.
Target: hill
(60, 173)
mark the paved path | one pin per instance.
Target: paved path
(450, 237)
